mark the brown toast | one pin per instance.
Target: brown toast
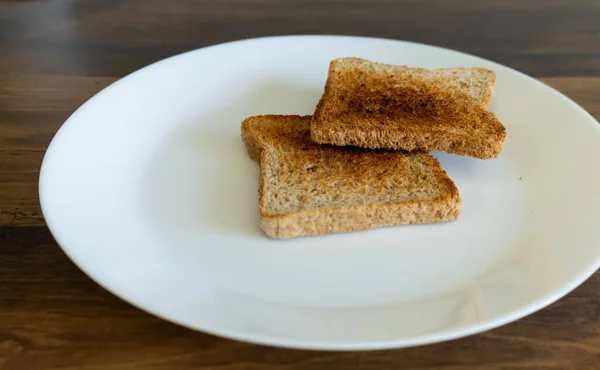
(310, 189)
(374, 105)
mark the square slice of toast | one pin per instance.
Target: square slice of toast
(310, 189)
(374, 105)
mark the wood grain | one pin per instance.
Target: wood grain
(114, 37)
(54, 317)
(55, 54)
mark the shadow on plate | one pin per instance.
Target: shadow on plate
(458, 166)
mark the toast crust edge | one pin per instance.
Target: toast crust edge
(363, 217)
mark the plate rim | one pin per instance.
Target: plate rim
(319, 345)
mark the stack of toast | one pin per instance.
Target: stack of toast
(361, 160)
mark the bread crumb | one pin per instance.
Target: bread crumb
(520, 178)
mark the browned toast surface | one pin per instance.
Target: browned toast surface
(309, 189)
(375, 105)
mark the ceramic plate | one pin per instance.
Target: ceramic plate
(148, 188)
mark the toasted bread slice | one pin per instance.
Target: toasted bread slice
(375, 105)
(310, 189)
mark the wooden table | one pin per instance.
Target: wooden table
(55, 54)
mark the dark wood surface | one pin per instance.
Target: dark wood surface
(55, 54)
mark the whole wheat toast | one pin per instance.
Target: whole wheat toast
(374, 105)
(309, 189)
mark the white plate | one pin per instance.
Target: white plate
(148, 188)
